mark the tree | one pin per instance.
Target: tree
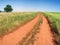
(0, 11)
(8, 8)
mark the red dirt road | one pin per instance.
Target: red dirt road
(45, 37)
(14, 37)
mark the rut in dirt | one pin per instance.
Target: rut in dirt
(45, 37)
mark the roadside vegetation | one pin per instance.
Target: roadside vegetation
(11, 20)
(54, 21)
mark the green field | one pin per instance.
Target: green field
(54, 18)
(9, 21)
(54, 21)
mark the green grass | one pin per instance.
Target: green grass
(54, 19)
(11, 20)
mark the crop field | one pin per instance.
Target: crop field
(9, 21)
(54, 19)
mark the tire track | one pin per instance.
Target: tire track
(45, 37)
(30, 37)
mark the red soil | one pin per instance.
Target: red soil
(45, 37)
(14, 37)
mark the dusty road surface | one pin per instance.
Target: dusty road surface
(14, 37)
(45, 37)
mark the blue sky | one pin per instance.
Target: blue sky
(32, 5)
